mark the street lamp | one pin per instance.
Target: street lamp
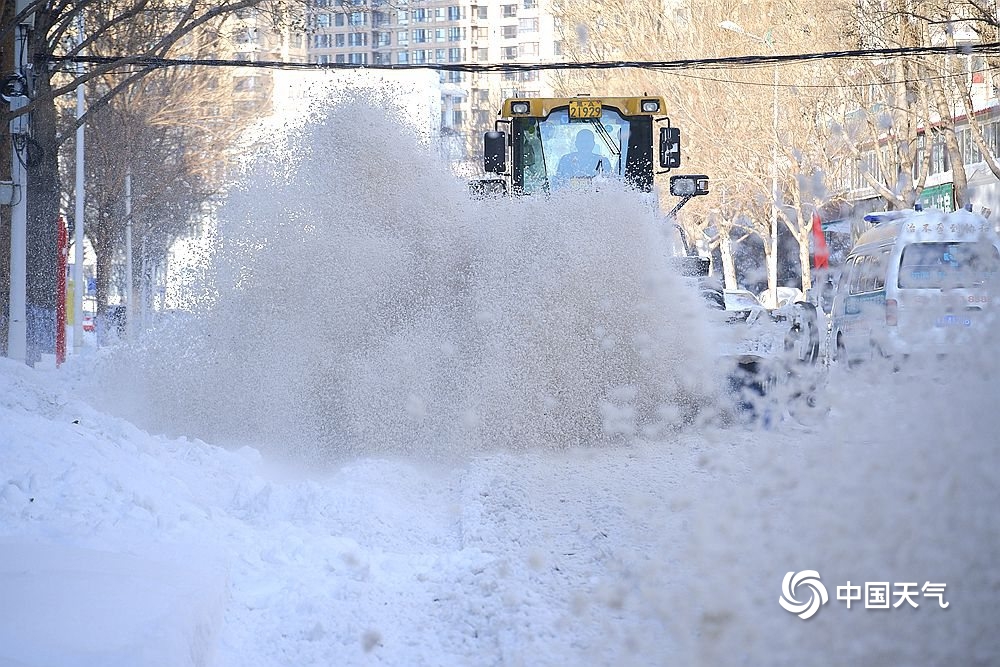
(772, 260)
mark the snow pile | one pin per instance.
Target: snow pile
(362, 300)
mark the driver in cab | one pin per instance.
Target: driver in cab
(584, 162)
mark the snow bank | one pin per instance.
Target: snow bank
(68, 606)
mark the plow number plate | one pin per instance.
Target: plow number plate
(585, 109)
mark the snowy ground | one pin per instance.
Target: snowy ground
(123, 548)
(401, 437)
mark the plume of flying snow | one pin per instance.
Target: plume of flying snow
(360, 299)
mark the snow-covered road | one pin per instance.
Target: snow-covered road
(123, 548)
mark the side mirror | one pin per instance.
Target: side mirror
(670, 147)
(689, 186)
(495, 152)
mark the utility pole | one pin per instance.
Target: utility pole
(80, 286)
(17, 332)
(129, 314)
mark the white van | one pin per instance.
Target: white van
(919, 281)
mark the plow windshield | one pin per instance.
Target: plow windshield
(559, 151)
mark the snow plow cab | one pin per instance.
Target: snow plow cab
(545, 143)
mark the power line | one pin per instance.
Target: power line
(827, 86)
(764, 60)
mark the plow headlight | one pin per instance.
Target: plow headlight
(650, 106)
(520, 107)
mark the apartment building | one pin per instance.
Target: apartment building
(422, 32)
(254, 39)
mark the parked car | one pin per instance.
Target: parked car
(740, 299)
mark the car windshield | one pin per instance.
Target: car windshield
(947, 264)
(741, 301)
(559, 151)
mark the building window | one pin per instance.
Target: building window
(454, 13)
(454, 34)
(455, 55)
(508, 11)
(439, 55)
(483, 55)
(322, 60)
(419, 15)
(484, 13)
(439, 35)
(530, 4)
(456, 77)
(419, 58)
(341, 58)
(529, 49)
(403, 57)
(339, 20)
(509, 31)
(528, 25)
(939, 156)
(508, 53)
(322, 20)
(340, 39)
(356, 18)
(358, 58)
(357, 39)
(419, 35)
(384, 39)
(402, 17)
(483, 33)
(529, 76)
(403, 37)
(321, 41)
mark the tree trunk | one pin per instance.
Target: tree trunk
(6, 65)
(104, 254)
(960, 180)
(728, 263)
(43, 206)
(805, 258)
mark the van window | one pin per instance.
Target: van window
(854, 275)
(947, 265)
(881, 264)
(869, 274)
(865, 275)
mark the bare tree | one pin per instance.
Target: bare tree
(151, 28)
(171, 131)
(735, 122)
